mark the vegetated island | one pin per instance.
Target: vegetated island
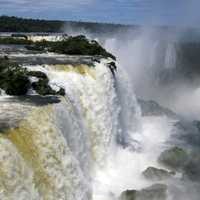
(77, 45)
(15, 80)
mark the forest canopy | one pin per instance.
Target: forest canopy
(16, 24)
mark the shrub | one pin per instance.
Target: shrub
(78, 45)
(15, 80)
(15, 41)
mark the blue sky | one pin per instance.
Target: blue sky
(165, 12)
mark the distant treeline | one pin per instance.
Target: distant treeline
(15, 24)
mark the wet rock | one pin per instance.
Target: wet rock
(174, 158)
(96, 60)
(37, 74)
(152, 108)
(156, 174)
(42, 87)
(154, 192)
(19, 35)
(129, 195)
(187, 134)
(192, 169)
(61, 92)
(112, 66)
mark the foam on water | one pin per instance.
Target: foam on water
(124, 168)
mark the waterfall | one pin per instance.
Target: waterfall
(61, 147)
(170, 57)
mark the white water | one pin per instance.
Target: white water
(104, 129)
(92, 145)
(52, 38)
(124, 168)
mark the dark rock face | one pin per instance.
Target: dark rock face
(178, 159)
(61, 92)
(174, 158)
(192, 169)
(42, 87)
(37, 74)
(154, 192)
(155, 174)
(150, 108)
(129, 195)
(112, 66)
(187, 133)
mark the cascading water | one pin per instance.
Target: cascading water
(151, 60)
(62, 146)
(170, 56)
(94, 143)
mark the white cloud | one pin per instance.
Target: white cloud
(39, 4)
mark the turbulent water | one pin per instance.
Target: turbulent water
(56, 151)
(95, 142)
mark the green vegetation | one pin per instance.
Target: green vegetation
(16, 41)
(37, 74)
(42, 85)
(15, 80)
(15, 24)
(78, 45)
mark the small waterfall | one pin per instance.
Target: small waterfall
(170, 56)
(53, 38)
(129, 116)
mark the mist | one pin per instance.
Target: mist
(149, 56)
(119, 129)
(152, 59)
